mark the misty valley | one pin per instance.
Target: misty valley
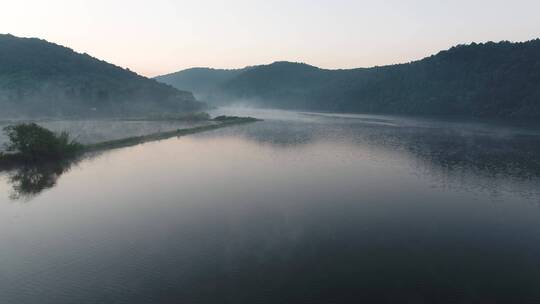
(415, 182)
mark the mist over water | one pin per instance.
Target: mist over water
(93, 131)
(299, 208)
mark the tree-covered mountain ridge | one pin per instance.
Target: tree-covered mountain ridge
(480, 79)
(39, 78)
(200, 80)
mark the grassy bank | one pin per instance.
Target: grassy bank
(131, 141)
(17, 157)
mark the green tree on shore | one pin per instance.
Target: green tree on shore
(33, 142)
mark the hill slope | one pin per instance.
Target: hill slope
(203, 81)
(491, 80)
(38, 78)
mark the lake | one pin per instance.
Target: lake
(298, 208)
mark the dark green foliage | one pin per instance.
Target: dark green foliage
(224, 118)
(33, 142)
(38, 78)
(490, 80)
(200, 80)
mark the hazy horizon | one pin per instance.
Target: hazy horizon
(170, 36)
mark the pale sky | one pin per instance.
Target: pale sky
(163, 36)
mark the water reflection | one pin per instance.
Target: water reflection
(438, 148)
(30, 179)
(318, 211)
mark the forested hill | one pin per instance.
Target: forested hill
(199, 80)
(38, 78)
(490, 79)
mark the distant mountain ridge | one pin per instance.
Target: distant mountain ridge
(38, 78)
(488, 79)
(200, 80)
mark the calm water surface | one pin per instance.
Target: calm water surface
(300, 208)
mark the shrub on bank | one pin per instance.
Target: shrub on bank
(30, 141)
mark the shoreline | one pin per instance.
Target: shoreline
(136, 140)
(12, 161)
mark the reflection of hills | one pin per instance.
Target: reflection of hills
(451, 149)
(516, 157)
